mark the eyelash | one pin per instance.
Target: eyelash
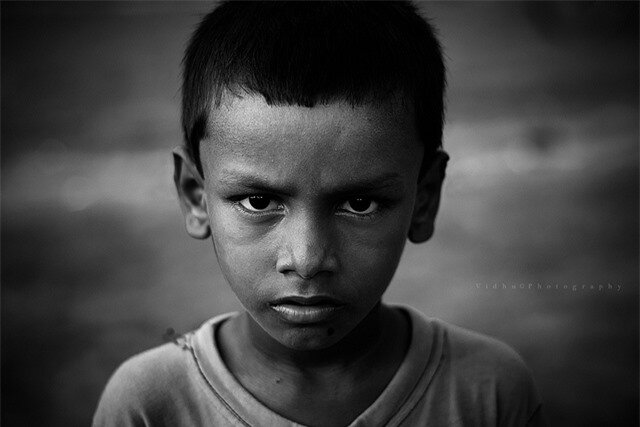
(237, 203)
(364, 216)
(381, 205)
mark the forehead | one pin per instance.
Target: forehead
(247, 132)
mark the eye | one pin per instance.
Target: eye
(259, 204)
(359, 206)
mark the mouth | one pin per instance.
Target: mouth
(306, 310)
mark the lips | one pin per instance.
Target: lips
(306, 310)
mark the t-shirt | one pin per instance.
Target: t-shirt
(449, 377)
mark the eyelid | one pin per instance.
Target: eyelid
(380, 204)
(377, 207)
(237, 202)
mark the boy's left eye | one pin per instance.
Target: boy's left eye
(359, 205)
(259, 204)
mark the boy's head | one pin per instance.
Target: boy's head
(312, 133)
(306, 54)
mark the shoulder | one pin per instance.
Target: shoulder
(471, 354)
(489, 367)
(143, 383)
(470, 350)
(482, 369)
(151, 371)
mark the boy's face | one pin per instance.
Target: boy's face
(309, 210)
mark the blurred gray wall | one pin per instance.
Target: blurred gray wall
(536, 242)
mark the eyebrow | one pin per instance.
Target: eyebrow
(382, 182)
(254, 183)
(262, 184)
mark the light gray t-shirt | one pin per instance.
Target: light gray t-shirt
(449, 377)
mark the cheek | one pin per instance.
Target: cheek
(244, 257)
(372, 256)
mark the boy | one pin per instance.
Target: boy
(312, 152)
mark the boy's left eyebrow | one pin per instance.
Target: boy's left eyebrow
(371, 184)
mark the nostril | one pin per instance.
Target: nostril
(306, 247)
(306, 276)
(304, 267)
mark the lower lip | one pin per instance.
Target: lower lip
(306, 313)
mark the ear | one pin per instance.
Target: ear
(191, 194)
(428, 199)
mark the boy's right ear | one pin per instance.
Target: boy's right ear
(191, 194)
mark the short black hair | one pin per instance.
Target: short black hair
(308, 53)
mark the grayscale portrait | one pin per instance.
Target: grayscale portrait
(330, 213)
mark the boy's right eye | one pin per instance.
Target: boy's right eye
(259, 204)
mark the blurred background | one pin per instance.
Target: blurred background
(536, 242)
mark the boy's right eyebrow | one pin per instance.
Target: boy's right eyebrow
(254, 183)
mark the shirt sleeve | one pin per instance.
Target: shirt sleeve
(122, 401)
(536, 419)
(519, 399)
(491, 382)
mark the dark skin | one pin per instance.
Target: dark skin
(311, 202)
(347, 377)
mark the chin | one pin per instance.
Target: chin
(309, 338)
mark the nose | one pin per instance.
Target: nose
(307, 247)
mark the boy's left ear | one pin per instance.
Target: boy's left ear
(428, 199)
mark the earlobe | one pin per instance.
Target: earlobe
(193, 201)
(428, 199)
